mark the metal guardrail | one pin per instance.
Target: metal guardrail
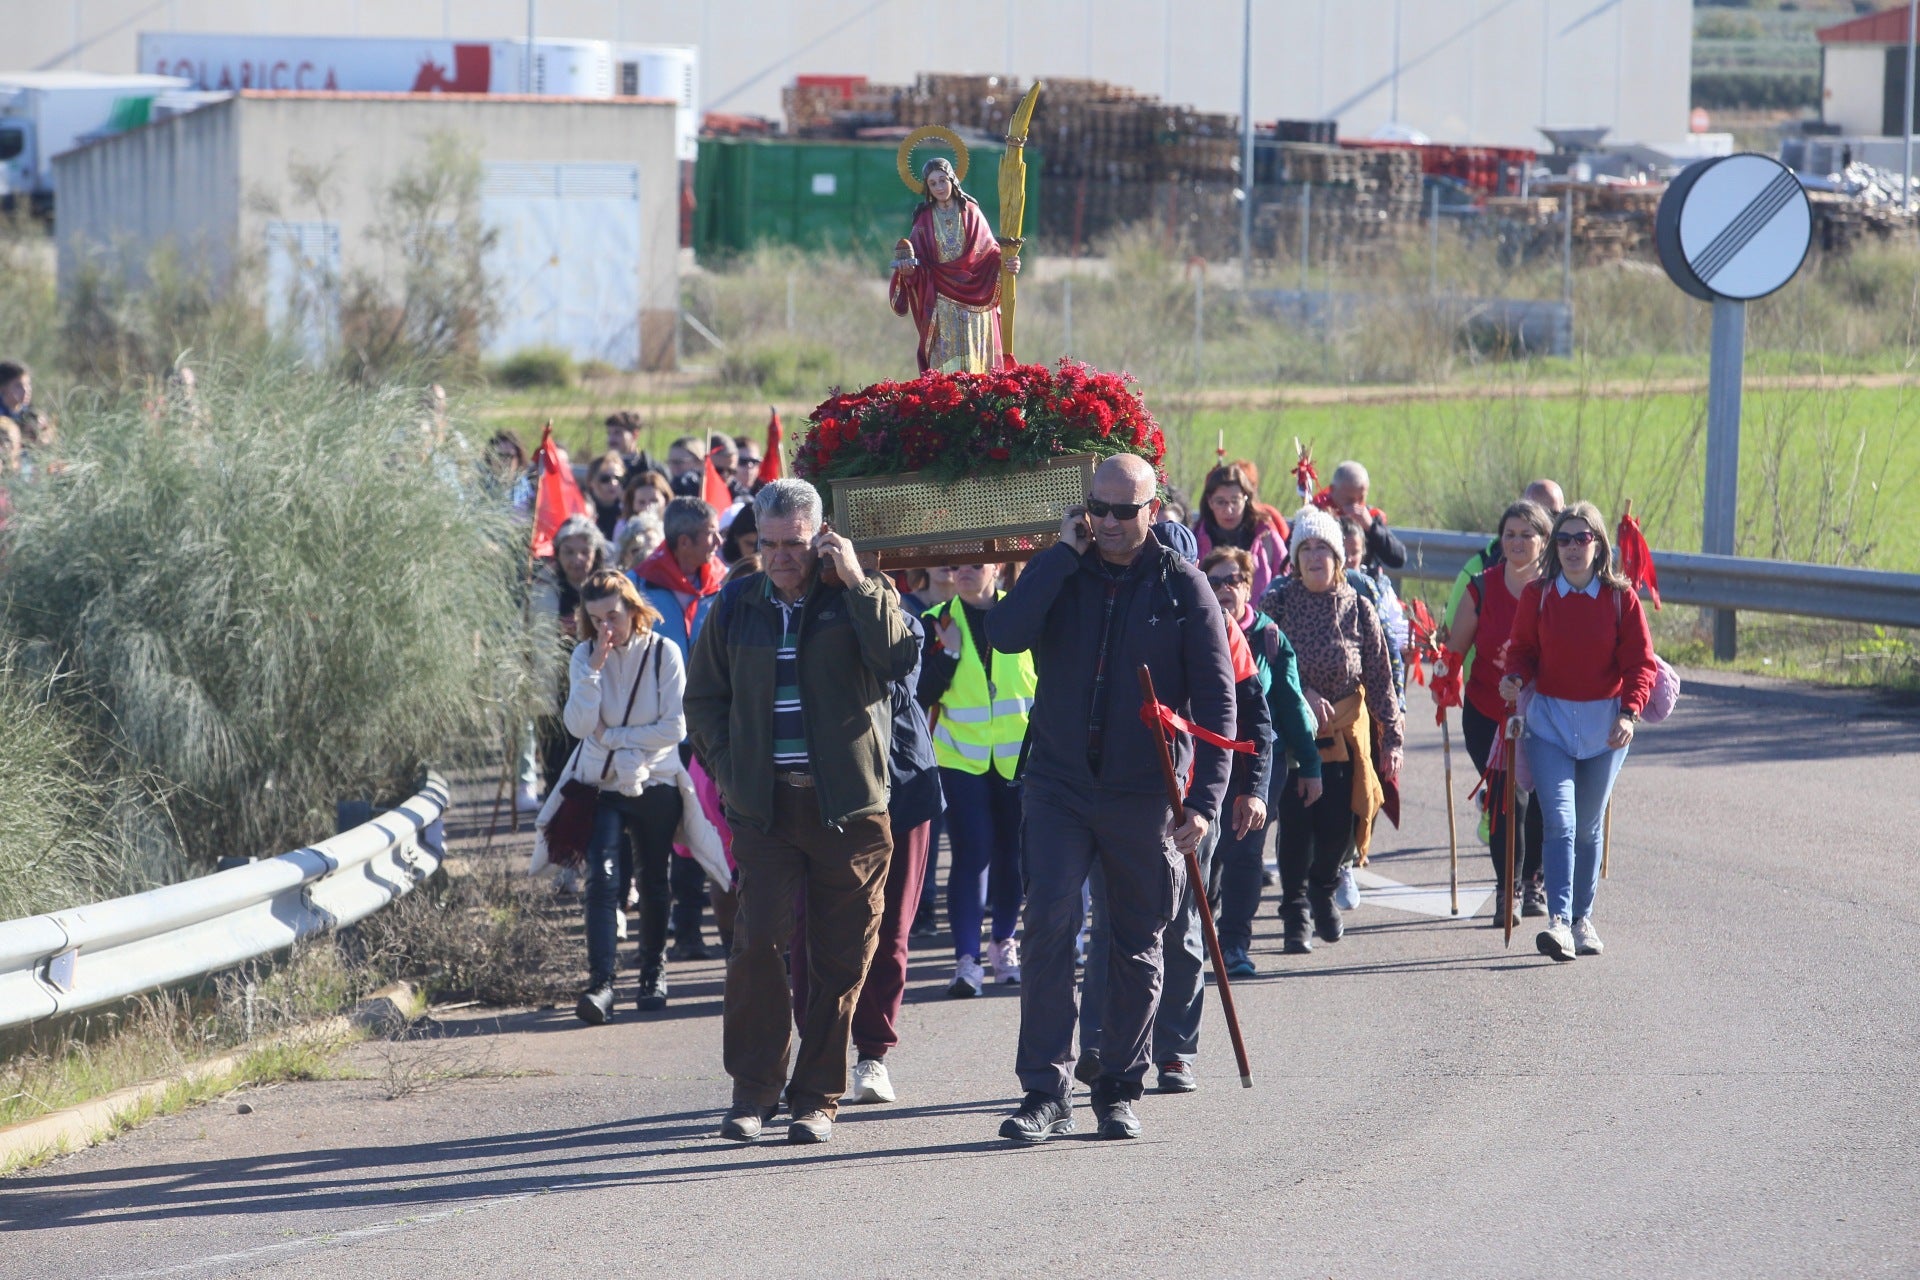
(1721, 582)
(89, 956)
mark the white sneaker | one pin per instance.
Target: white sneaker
(620, 925)
(1556, 940)
(871, 1082)
(1005, 958)
(1346, 895)
(968, 979)
(1586, 939)
(526, 800)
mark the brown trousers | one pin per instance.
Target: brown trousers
(844, 874)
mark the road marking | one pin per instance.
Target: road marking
(328, 1239)
(1378, 891)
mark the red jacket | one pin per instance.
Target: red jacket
(1582, 648)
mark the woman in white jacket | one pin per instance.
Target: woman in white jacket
(623, 705)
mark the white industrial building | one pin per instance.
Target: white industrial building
(1468, 71)
(1863, 74)
(584, 194)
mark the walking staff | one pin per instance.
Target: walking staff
(1105, 599)
(1512, 772)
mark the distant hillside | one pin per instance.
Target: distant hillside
(1763, 55)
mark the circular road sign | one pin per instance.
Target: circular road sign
(1737, 228)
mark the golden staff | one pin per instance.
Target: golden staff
(1013, 208)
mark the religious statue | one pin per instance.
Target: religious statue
(947, 272)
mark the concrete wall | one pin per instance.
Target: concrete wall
(1474, 71)
(1853, 87)
(214, 179)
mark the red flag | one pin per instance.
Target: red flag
(1636, 557)
(555, 498)
(770, 465)
(715, 490)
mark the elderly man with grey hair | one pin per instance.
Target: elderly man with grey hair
(1346, 496)
(789, 705)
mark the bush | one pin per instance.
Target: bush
(280, 595)
(536, 367)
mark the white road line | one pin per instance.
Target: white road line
(1378, 891)
(327, 1239)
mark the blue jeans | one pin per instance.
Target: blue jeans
(631, 835)
(1572, 796)
(983, 843)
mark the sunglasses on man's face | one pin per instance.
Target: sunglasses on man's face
(1581, 539)
(1118, 510)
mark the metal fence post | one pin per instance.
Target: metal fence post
(1199, 321)
(1433, 242)
(1066, 316)
(790, 308)
(1306, 234)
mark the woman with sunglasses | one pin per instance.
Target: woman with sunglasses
(605, 489)
(981, 699)
(1347, 677)
(1482, 625)
(1580, 640)
(1232, 515)
(1239, 859)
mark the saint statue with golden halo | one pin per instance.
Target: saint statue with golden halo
(946, 272)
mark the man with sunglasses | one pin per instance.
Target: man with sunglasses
(1092, 609)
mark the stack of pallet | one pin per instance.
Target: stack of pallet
(1386, 179)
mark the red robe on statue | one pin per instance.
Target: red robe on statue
(970, 279)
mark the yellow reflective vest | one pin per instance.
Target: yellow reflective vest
(983, 714)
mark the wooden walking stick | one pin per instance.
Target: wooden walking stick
(1606, 839)
(1199, 888)
(1453, 834)
(1506, 889)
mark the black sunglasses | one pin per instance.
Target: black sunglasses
(1118, 510)
(1575, 539)
(1233, 579)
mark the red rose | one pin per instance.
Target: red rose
(1015, 420)
(999, 454)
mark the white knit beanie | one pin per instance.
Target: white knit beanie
(1311, 524)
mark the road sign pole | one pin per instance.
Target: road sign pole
(1720, 512)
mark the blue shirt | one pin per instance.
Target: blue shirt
(1578, 728)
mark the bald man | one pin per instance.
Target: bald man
(1346, 496)
(1105, 599)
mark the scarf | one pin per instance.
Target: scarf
(661, 570)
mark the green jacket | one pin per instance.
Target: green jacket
(854, 643)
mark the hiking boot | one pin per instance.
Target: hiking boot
(871, 1083)
(1176, 1076)
(1533, 901)
(1041, 1116)
(1556, 940)
(1586, 940)
(1346, 895)
(1087, 1069)
(596, 1006)
(968, 979)
(744, 1123)
(1005, 958)
(810, 1127)
(1297, 941)
(653, 992)
(1239, 963)
(690, 949)
(1113, 1109)
(1326, 920)
(1501, 901)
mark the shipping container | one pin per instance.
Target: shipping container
(840, 196)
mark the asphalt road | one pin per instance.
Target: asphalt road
(1733, 1089)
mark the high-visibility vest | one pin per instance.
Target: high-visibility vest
(983, 714)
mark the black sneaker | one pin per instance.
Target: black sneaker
(744, 1123)
(1534, 899)
(1297, 942)
(596, 1006)
(1327, 923)
(1116, 1118)
(653, 992)
(691, 949)
(1176, 1076)
(1041, 1116)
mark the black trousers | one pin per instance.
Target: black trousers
(632, 835)
(1480, 733)
(1314, 838)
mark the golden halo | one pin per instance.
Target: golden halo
(923, 134)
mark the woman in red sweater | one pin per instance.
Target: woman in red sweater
(1580, 639)
(1481, 627)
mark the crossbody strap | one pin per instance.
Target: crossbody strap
(607, 767)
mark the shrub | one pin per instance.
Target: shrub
(536, 367)
(280, 595)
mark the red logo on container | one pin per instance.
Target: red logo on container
(472, 72)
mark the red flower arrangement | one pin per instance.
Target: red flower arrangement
(960, 424)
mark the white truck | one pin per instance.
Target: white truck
(44, 113)
(404, 64)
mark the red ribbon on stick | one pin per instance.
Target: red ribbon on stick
(1159, 715)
